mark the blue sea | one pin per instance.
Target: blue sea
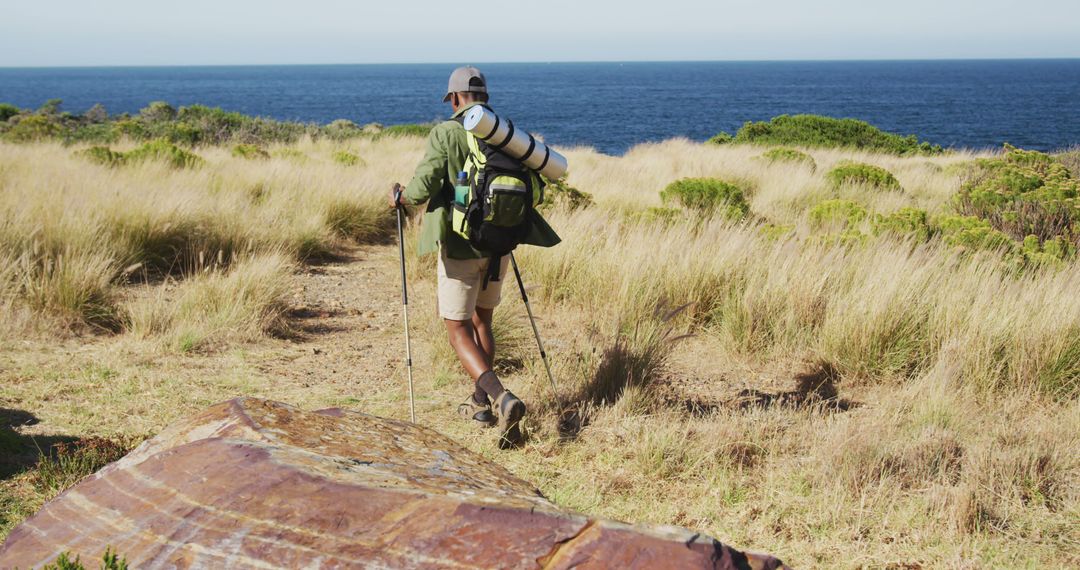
(613, 106)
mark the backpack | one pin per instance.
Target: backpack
(494, 202)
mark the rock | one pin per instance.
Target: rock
(257, 484)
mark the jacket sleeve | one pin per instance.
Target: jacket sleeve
(431, 172)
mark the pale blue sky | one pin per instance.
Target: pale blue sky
(150, 32)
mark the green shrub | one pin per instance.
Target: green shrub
(100, 133)
(828, 132)
(249, 152)
(129, 128)
(179, 132)
(347, 158)
(707, 196)
(1049, 252)
(720, 138)
(31, 128)
(557, 193)
(782, 154)
(102, 155)
(163, 151)
(158, 112)
(833, 213)
(857, 173)
(972, 233)
(96, 114)
(342, 129)
(1024, 193)
(7, 111)
(904, 222)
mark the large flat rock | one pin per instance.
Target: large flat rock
(258, 484)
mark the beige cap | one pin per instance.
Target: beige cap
(464, 79)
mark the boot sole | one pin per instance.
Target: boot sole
(509, 425)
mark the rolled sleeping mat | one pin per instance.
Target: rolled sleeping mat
(501, 134)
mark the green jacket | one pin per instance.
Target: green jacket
(433, 182)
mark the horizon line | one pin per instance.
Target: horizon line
(524, 62)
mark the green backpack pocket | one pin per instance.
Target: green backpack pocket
(508, 196)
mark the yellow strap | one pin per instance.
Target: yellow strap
(474, 151)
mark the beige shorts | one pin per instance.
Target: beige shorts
(461, 286)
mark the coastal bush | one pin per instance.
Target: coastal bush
(96, 114)
(102, 155)
(857, 173)
(249, 152)
(158, 112)
(1024, 193)
(32, 128)
(341, 129)
(707, 196)
(720, 138)
(560, 194)
(347, 158)
(782, 154)
(836, 213)
(972, 233)
(7, 111)
(93, 133)
(829, 132)
(163, 151)
(904, 222)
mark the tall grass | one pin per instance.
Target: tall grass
(77, 230)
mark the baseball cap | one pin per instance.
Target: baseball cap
(464, 79)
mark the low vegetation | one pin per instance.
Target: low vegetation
(864, 175)
(190, 126)
(788, 359)
(789, 155)
(827, 132)
(707, 196)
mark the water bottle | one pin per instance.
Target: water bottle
(461, 189)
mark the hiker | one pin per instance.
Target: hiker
(469, 279)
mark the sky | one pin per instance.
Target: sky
(224, 32)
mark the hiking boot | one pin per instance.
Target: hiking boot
(470, 408)
(510, 410)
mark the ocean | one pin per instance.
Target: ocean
(613, 106)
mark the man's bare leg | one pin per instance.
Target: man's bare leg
(482, 332)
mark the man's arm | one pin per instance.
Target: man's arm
(430, 172)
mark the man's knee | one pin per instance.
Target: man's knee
(483, 316)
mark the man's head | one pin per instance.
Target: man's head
(467, 85)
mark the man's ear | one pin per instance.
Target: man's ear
(455, 101)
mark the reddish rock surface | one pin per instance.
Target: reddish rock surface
(257, 484)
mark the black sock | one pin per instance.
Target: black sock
(490, 384)
(480, 396)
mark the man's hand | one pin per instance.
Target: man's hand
(395, 196)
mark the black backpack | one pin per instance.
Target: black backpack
(494, 202)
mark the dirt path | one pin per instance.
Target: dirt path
(348, 336)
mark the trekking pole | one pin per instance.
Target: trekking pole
(536, 332)
(404, 299)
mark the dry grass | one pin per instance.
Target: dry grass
(956, 447)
